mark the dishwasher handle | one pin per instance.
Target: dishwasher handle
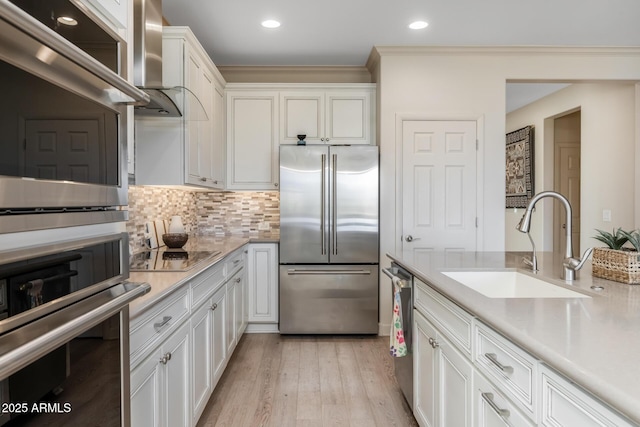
(396, 280)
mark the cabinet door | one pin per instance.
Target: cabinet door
(349, 117)
(238, 295)
(230, 320)
(252, 140)
(202, 357)
(302, 113)
(455, 377)
(263, 283)
(193, 128)
(146, 392)
(425, 372)
(116, 12)
(218, 151)
(177, 378)
(219, 337)
(492, 409)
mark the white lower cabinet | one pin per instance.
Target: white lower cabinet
(444, 379)
(492, 408)
(180, 349)
(564, 404)
(504, 386)
(262, 286)
(160, 384)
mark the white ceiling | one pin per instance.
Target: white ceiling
(342, 32)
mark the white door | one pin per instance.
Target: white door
(438, 185)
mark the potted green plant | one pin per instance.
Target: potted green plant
(616, 261)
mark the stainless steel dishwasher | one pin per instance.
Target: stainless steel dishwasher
(403, 366)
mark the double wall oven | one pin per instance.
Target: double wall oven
(63, 116)
(64, 331)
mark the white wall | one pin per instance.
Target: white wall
(607, 159)
(441, 82)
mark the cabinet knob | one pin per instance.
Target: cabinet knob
(327, 139)
(238, 280)
(215, 182)
(203, 179)
(322, 139)
(214, 306)
(275, 184)
(164, 359)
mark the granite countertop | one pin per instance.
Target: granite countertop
(164, 283)
(593, 341)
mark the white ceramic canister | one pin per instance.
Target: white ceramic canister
(176, 226)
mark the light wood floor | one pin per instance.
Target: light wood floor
(275, 380)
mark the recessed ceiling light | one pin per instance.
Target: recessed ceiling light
(418, 25)
(270, 23)
(67, 20)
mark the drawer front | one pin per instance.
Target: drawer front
(206, 283)
(492, 408)
(448, 317)
(565, 405)
(233, 262)
(153, 326)
(510, 368)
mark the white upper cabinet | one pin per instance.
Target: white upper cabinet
(184, 150)
(114, 13)
(252, 140)
(335, 115)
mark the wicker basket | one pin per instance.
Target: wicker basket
(621, 266)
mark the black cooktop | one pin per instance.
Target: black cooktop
(168, 259)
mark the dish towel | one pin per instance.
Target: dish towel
(397, 344)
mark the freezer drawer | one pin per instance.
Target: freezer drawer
(337, 299)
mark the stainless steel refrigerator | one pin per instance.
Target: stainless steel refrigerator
(328, 239)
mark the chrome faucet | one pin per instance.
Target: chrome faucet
(570, 264)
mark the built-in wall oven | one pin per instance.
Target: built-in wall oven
(63, 116)
(64, 337)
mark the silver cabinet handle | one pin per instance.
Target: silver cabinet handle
(238, 280)
(488, 397)
(322, 139)
(326, 139)
(215, 182)
(275, 184)
(494, 359)
(410, 238)
(213, 307)
(168, 356)
(203, 179)
(434, 343)
(235, 262)
(160, 325)
(323, 190)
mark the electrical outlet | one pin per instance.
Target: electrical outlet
(606, 215)
(264, 226)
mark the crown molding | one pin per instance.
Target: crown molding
(380, 51)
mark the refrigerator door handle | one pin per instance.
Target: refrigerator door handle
(293, 271)
(323, 238)
(334, 205)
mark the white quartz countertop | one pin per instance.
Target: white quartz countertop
(164, 283)
(593, 341)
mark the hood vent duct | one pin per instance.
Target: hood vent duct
(147, 73)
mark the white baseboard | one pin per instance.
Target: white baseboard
(384, 329)
(262, 328)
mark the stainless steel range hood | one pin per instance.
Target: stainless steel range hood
(147, 73)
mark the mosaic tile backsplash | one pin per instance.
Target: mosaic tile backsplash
(220, 213)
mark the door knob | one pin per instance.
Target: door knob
(410, 238)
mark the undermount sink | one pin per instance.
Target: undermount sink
(510, 284)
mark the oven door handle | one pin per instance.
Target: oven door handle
(396, 280)
(25, 345)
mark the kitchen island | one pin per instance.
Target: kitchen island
(594, 342)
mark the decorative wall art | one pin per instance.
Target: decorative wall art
(519, 167)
